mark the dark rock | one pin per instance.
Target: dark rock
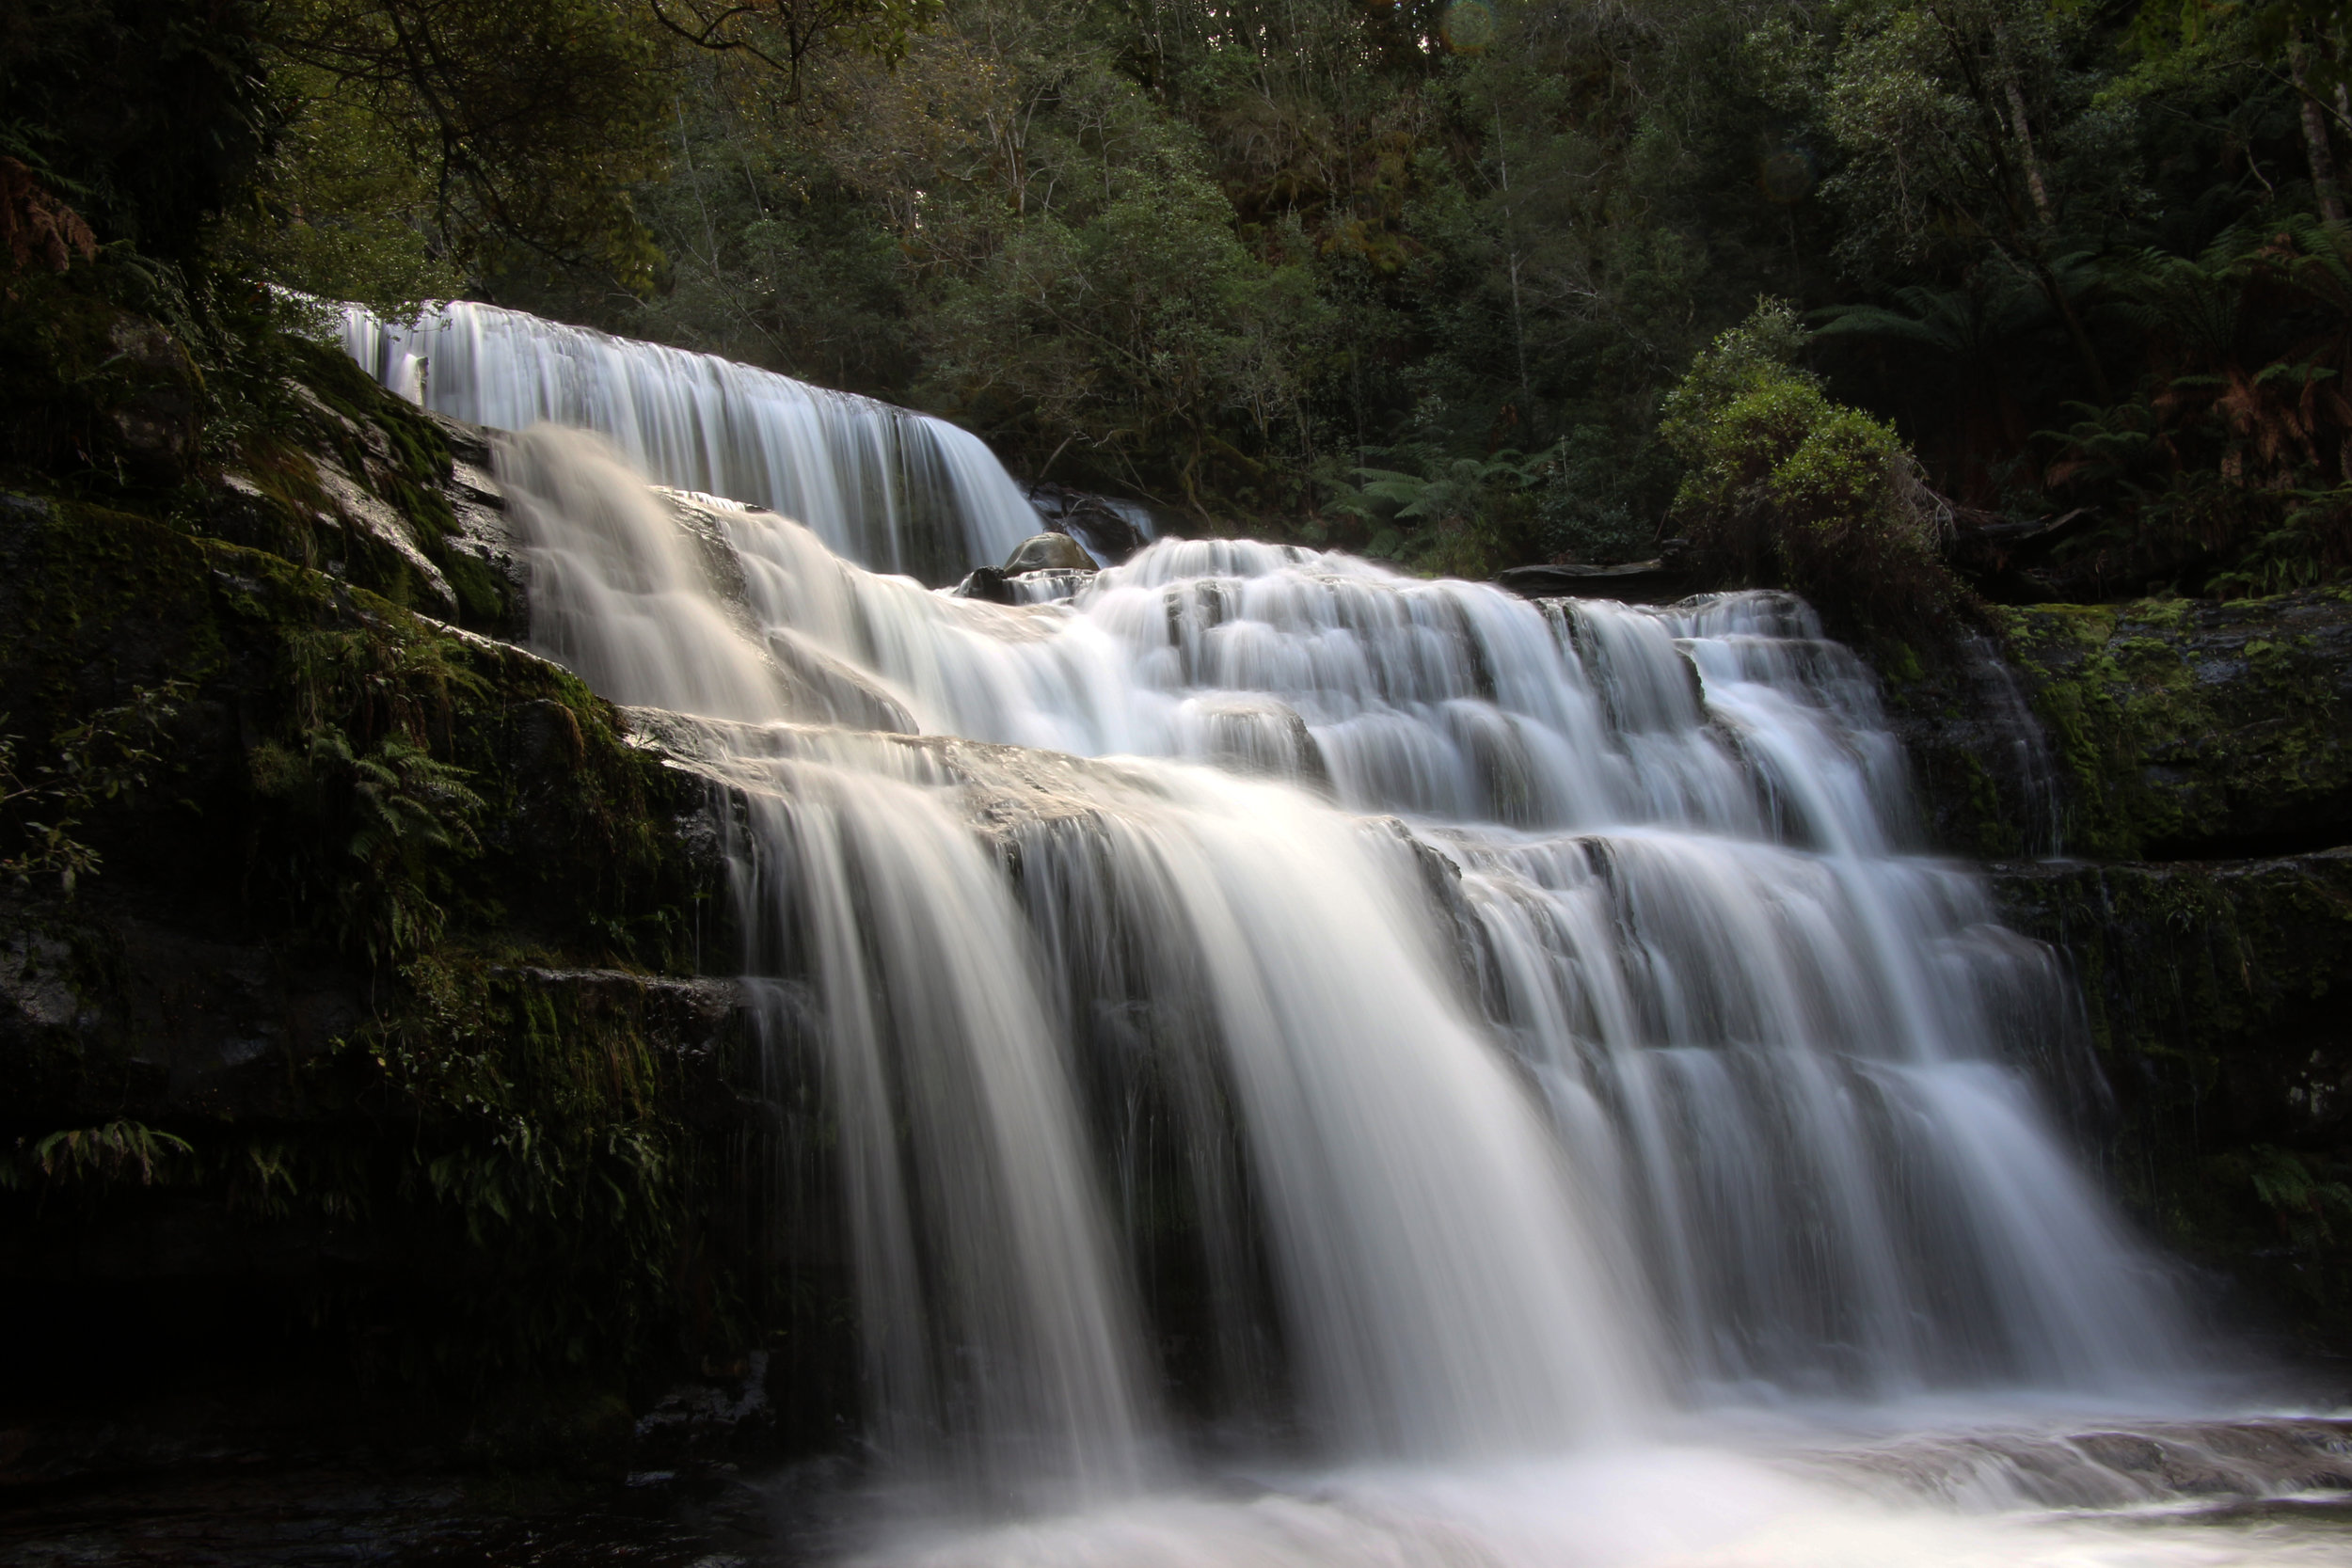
(2213, 994)
(155, 419)
(726, 1410)
(1102, 526)
(2195, 727)
(986, 583)
(2229, 969)
(88, 387)
(1635, 582)
(1049, 585)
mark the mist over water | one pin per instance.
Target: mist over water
(1434, 1042)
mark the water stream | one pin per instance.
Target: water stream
(896, 489)
(1328, 1067)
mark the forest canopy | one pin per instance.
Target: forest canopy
(1416, 277)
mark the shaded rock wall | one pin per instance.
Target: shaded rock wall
(2194, 767)
(353, 1036)
(2216, 992)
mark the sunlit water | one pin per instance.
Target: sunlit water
(1455, 1050)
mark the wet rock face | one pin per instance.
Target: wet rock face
(2196, 727)
(2162, 728)
(1984, 769)
(2221, 978)
(2213, 992)
(2192, 760)
(233, 1120)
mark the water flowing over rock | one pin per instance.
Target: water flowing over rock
(1419, 1021)
(894, 490)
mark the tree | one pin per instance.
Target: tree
(1959, 121)
(495, 129)
(786, 35)
(149, 117)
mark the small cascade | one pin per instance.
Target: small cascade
(1403, 1019)
(893, 490)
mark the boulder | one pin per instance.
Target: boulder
(1047, 551)
(986, 583)
(1105, 527)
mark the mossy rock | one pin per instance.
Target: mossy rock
(2195, 727)
(2214, 993)
(515, 1141)
(288, 448)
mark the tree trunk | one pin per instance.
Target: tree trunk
(1510, 233)
(2316, 142)
(2023, 133)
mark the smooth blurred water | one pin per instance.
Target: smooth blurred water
(1409, 1033)
(896, 490)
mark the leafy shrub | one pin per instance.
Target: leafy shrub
(1599, 500)
(1445, 516)
(1785, 488)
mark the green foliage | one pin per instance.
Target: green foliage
(93, 1156)
(2303, 1203)
(2226, 469)
(404, 818)
(1455, 517)
(1221, 258)
(103, 757)
(1602, 496)
(429, 135)
(341, 211)
(1784, 486)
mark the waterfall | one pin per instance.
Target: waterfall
(894, 490)
(1420, 1022)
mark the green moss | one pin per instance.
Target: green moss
(2182, 725)
(533, 1158)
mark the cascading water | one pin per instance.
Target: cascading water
(1389, 1018)
(895, 490)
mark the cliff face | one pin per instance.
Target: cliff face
(2193, 766)
(351, 1035)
